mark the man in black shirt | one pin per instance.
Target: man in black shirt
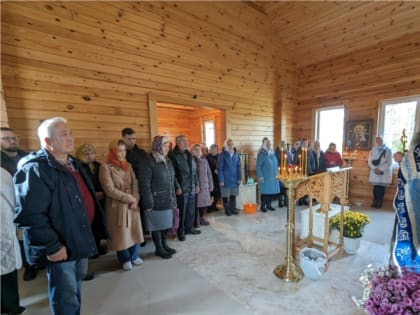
(136, 157)
(10, 152)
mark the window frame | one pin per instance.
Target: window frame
(204, 131)
(318, 118)
(381, 114)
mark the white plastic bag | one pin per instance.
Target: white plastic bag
(313, 262)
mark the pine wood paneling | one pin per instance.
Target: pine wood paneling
(322, 30)
(95, 63)
(361, 80)
(4, 121)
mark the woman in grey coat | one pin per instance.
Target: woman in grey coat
(157, 189)
(205, 181)
(380, 164)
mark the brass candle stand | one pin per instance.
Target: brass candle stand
(290, 271)
(404, 141)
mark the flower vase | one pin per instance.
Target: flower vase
(351, 245)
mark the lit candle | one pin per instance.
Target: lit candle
(300, 160)
(285, 164)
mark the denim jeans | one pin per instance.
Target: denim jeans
(64, 286)
(128, 254)
(186, 205)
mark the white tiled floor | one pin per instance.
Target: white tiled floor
(228, 269)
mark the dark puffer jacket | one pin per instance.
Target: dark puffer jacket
(185, 170)
(50, 209)
(157, 184)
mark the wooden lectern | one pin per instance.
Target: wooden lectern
(325, 187)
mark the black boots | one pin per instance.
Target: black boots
(226, 206)
(263, 206)
(377, 203)
(160, 250)
(266, 203)
(165, 246)
(283, 200)
(378, 196)
(230, 205)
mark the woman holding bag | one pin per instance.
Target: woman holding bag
(157, 189)
(380, 176)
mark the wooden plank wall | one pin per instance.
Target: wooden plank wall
(173, 122)
(361, 81)
(4, 121)
(96, 62)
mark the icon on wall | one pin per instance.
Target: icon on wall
(358, 134)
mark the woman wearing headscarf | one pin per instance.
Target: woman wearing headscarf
(205, 181)
(119, 183)
(380, 175)
(87, 154)
(316, 159)
(229, 171)
(157, 188)
(267, 167)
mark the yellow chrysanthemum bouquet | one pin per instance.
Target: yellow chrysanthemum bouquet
(354, 223)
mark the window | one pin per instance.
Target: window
(209, 137)
(395, 116)
(329, 126)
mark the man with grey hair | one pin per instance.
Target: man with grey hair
(56, 206)
(186, 175)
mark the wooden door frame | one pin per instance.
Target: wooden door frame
(154, 99)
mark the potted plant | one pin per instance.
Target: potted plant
(353, 227)
(388, 291)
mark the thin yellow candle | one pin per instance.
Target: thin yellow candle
(300, 160)
(285, 164)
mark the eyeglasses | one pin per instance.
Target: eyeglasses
(10, 139)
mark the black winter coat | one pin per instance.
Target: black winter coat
(97, 229)
(185, 170)
(212, 159)
(50, 209)
(157, 184)
(315, 165)
(136, 157)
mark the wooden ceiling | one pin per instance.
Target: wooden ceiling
(315, 31)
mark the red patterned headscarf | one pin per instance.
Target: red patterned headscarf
(113, 158)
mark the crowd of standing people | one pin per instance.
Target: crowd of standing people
(67, 207)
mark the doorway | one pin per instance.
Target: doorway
(201, 124)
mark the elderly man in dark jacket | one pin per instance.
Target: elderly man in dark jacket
(56, 205)
(186, 175)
